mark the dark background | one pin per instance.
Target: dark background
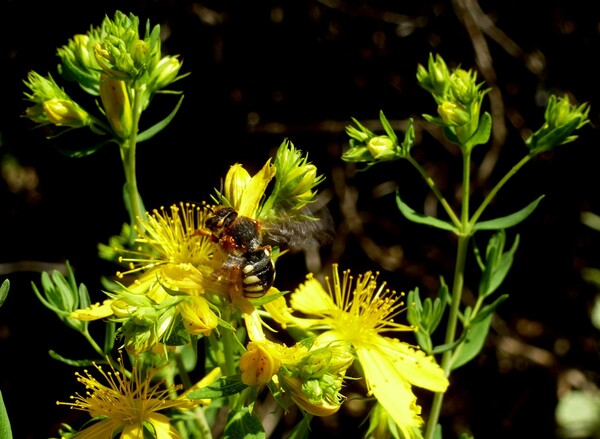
(265, 71)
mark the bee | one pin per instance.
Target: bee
(249, 243)
(240, 237)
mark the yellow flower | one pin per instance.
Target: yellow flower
(176, 265)
(128, 406)
(171, 251)
(258, 364)
(357, 312)
(245, 192)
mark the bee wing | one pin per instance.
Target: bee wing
(226, 279)
(308, 231)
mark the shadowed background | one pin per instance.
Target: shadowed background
(264, 72)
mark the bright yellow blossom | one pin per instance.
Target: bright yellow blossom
(245, 192)
(127, 406)
(357, 311)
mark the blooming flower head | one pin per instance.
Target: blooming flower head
(129, 406)
(357, 311)
(172, 267)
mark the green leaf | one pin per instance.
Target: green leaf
(510, 220)
(84, 152)
(388, 128)
(225, 386)
(473, 342)
(5, 431)
(4, 291)
(419, 218)
(500, 270)
(158, 127)
(488, 309)
(242, 424)
(482, 135)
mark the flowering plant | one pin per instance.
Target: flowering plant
(197, 334)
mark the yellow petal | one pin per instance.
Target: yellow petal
(255, 190)
(99, 430)
(162, 426)
(278, 309)
(236, 180)
(392, 391)
(197, 316)
(418, 368)
(94, 312)
(254, 326)
(311, 298)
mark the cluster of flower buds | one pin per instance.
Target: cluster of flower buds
(459, 98)
(112, 61)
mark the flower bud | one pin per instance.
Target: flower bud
(164, 73)
(115, 99)
(381, 148)
(562, 120)
(453, 114)
(435, 79)
(463, 86)
(258, 365)
(197, 316)
(139, 51)
(64, 112)
(318, 406)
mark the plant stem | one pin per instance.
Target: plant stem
(497, 188)
(435, 190)
(457, 289)
(128, 156)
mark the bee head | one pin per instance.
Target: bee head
(221, 218)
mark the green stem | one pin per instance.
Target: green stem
(497, 188)
(128, 156)
(457, 289)
(93, 343)
(435, 190)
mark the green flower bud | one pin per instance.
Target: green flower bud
(435, 79)
(381, 148)
(139, 52)
(164, 73)
(79, 62)
(63, 112)
(453, 114)
(43, 89)
(145, 316)
(114, 60)
(115, 100)
(463, 87)
(562, 120)
(295, 179)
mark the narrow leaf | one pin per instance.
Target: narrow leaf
(419, 218)
(510, 220)
(158, 127)
(388, 128)
(488, 309)
(242, 424)
(473, 343)
(5, 431)
(4, 291)
(223, 387)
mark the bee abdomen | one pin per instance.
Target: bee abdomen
(258, 273)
